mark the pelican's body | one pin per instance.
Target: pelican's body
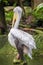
(24, 38)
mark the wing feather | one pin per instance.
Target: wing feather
(26, 38)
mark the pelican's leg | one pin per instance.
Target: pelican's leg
(20, 50)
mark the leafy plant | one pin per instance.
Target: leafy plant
(38, 11)
(9, 16)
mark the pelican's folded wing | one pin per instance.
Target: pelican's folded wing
(23, 36)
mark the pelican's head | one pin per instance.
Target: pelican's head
(17, 14)
(18, 10)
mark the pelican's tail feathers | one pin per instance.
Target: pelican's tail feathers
(30, 55)
(35, 46)
(28, 51)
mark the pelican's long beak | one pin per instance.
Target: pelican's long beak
(15, 16)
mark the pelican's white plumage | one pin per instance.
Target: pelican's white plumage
(23, 37)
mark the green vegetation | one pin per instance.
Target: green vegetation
(8, 53)
(38, 11)
(9, 16)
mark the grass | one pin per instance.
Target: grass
(8, 53)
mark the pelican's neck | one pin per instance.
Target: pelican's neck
(17, 21)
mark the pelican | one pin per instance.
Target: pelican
(17, 37)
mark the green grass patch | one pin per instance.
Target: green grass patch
(8, 53)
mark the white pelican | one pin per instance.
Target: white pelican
(18, 38)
